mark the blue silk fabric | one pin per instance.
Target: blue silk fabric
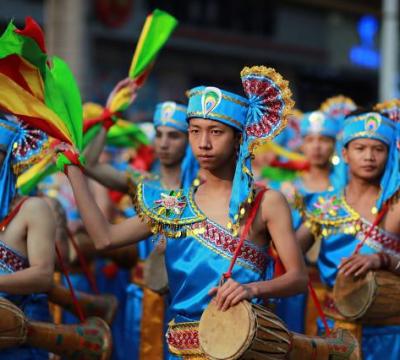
(35, 306)
(117, 286)
(198, 251)
(342, 229)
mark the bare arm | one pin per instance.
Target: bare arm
(105, 174)
(100, 230)
(304, 238)
(40, 228)
(276, 213)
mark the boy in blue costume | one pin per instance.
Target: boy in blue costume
(177, 168)
(318, 131)
(201, 224)
(343, 218)
(27, 235)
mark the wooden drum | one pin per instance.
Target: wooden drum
(251, 332)
(13, 327)
(244, 331)
(369, 298)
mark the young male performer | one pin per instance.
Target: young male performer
(318, 130)
(343, 218)
(201, 225)
(26, 238)
(177, 168)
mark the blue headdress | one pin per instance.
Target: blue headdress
(318, 123)
(375, 125)
(21, 146)
(169, 113)
(337, 108)
(259, 117)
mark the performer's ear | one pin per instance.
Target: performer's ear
(345, 154)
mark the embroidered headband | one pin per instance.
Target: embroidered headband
(318, 123)
(169, 113)
(371, 125)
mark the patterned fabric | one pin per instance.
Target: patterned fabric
(183, 339)
(11, 260)
(213, 235)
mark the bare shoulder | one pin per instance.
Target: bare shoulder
(273, 202)
(273, 198)
(36, 208)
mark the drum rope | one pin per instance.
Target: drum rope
(77, 306)
(83, 262)
(243, 236)
(4, 223)
(318, 306)
(376, 222)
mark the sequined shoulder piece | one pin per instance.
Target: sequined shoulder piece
(168, 210)
(326, 212)
(329, 208)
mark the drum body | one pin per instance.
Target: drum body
(251, 332)
(13, 326)
(245, 331)
(369, 298)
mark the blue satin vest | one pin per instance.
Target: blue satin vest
(35, 306)
(198, 250)
(342, 229)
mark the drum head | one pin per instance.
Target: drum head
(226, 335)
(354, 295)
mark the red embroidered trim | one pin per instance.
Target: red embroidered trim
(183, 339)
(388, 242)
(227, 243)
(11, 260)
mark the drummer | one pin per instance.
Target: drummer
(343, 218)
(201, 225)
(27, 236)
(175, 167)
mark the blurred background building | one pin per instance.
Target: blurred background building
(324, 47)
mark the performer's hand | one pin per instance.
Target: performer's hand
(125, 83)
(231, 293)
(358, 265)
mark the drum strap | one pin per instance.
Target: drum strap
(245, 232)
(6, 221)
(376, 222)
(70, 286)
(83, 262)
